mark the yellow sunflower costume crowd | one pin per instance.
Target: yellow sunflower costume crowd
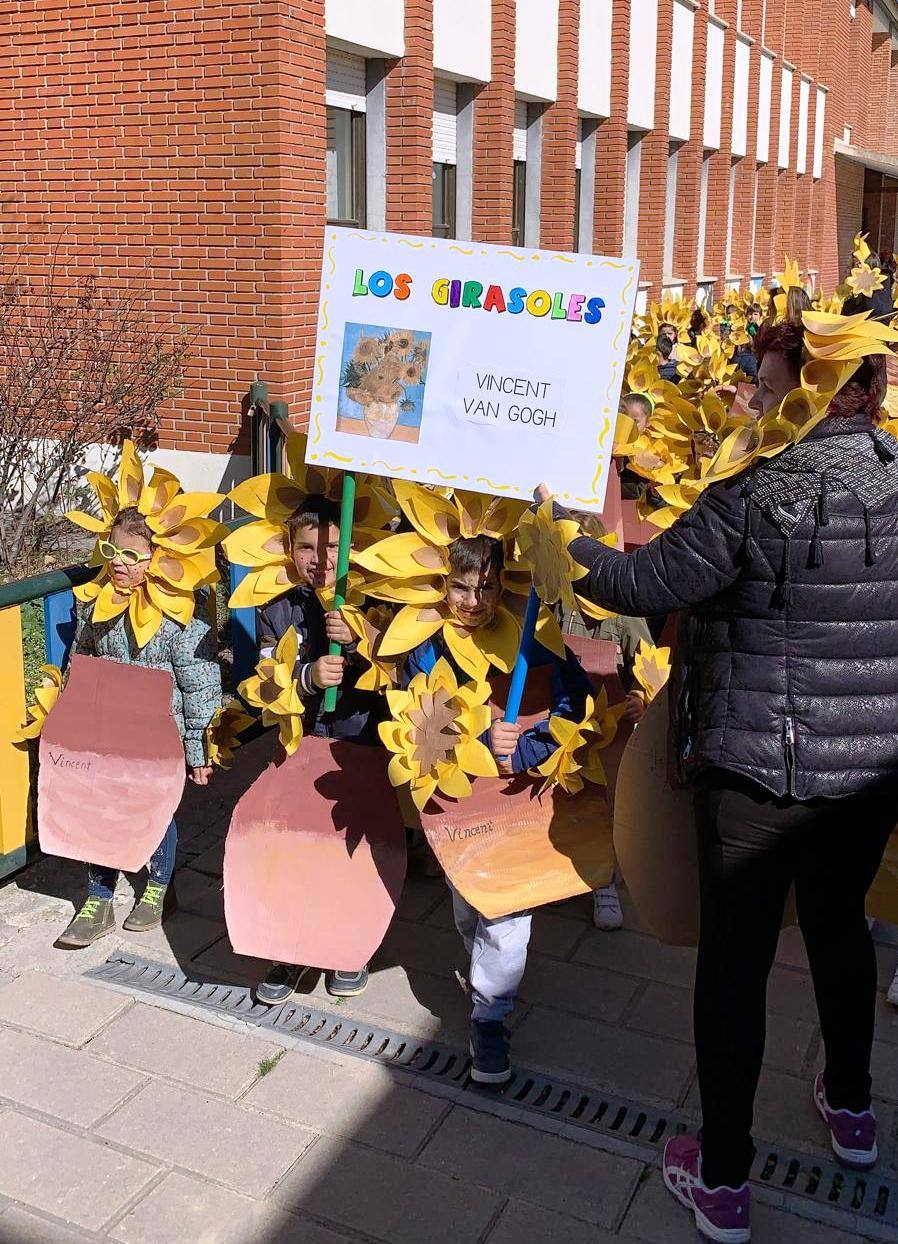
(421, 654)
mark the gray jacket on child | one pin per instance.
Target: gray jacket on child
(186, 652)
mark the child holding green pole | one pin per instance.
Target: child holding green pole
(327, 670)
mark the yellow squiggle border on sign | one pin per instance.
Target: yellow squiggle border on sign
(336, 457)
(461, 250)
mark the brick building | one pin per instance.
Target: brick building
(197, 147)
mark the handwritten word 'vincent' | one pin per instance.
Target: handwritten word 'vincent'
(538, 416)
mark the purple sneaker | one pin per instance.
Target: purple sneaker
(853, 1136)
(721, 1214)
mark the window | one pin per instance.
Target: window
(445, 157)
(670, 214)
(578, 190)
(345, 160)
(519, 203)
(444, 200)
(631, 193)
(703, 215)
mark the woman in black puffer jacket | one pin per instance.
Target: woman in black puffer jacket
(784, 706)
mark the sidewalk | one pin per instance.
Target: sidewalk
(125, 1119)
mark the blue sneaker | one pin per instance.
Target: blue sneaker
(489, 1052)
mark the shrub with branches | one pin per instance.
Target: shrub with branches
(80, 366)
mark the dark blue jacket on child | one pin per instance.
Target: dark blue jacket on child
(570, 688)
(358, 712)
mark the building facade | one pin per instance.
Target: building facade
(196, 149)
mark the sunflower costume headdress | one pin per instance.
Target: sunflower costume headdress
(272, 499)
(835, 346)
(411, 568)
(184, 539)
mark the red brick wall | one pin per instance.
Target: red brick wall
(410, 126)
(611, 142)
(560, 125)
(174, 146)
(179, 147)
(493, 133)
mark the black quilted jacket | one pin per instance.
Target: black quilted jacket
(786, 665)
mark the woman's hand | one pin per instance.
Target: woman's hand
(200, 774)
(541, 493)
(327, 672)
(336, 629)
(635, 702)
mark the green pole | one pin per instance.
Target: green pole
(347, 508)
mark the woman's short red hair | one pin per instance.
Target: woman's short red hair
(864, 393)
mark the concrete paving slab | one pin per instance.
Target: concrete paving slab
(530, 1165)
(59, 1081)
(165, 1043)
(72, 1177)
(636, 954)
(185, 1210)
(631, 1064)
(391, 1199)
(71, 1011)
(528, 1224)
(574, 988)
(359, 1101)
(19, 1226)
(240, 1148)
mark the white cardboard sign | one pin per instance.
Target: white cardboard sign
(490, 368)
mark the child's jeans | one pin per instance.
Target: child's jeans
(101, 881)
(498, 950)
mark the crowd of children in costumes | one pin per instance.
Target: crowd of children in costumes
(407, 613)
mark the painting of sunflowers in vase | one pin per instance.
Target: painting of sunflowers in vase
(382, 380)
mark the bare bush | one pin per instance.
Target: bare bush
(80, 366)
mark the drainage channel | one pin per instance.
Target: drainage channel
(824, 1188)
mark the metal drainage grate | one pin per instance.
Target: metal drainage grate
(870, 1197)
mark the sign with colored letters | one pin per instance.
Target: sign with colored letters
(490, 368)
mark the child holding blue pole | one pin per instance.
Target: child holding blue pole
(498, 948)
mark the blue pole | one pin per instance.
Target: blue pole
(59, 627)
(522, 663)
(243, 632)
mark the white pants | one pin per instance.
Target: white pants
(498, 950)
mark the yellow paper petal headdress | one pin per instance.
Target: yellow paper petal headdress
(183, 540)
(264, 545)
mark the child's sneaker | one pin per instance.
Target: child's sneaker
(721, 1214)
(853, 1136)
(607, 913)
(93, 921)
(892, 995)
(155, 902)
(346, 984)
(489, 1052)
(280, 983)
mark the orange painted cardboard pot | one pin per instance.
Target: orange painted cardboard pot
(112, 766)
(315, 858)
(507, 848)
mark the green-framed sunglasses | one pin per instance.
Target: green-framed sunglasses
(130, 557)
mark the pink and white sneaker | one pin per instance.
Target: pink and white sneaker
(721, 1214)
(853, 1136)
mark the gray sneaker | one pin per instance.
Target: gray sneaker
(155, 902)
(93, 921)
(346, 984)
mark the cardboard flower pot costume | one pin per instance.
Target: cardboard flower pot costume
(112, 757)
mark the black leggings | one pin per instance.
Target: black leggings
(752, 848)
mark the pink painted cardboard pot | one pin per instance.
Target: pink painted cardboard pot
(112, 765)
(315, 858)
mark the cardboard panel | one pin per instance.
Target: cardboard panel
(506, 849)
(654, 835)
(315, 858)
(111, 765)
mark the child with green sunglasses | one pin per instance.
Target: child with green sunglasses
(188, 654)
